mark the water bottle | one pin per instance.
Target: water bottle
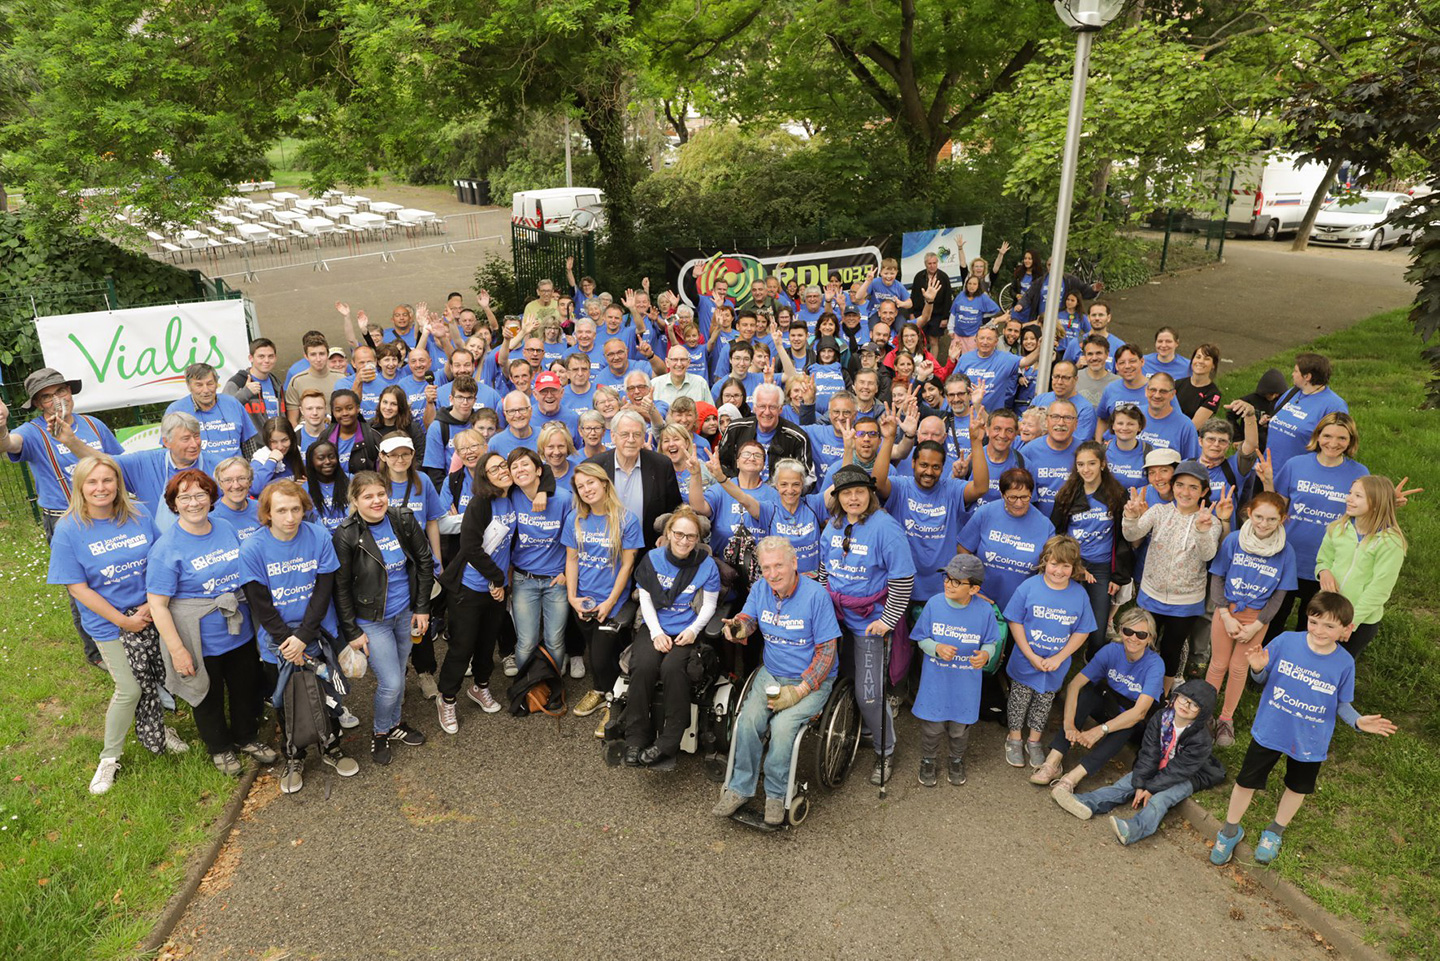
(321, 669)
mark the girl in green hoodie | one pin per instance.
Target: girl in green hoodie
(1361, 556)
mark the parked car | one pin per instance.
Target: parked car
(1271, 194)
(551, 209)
(1360, 223)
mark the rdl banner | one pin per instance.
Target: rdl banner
(692, 273)
(124, 358)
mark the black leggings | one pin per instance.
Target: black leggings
(1300, 597)
(606, 645)
(647, 666)
(475, 623)
(1174, 631)
(237, 671)
(1361, 638)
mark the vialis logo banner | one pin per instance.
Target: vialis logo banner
(123, 358)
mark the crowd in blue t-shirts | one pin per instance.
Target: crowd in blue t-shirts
(454, 494)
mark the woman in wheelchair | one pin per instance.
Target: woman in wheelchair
(796, 619)
(678, 585)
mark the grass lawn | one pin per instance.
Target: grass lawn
(80, 876)
(1368, 843)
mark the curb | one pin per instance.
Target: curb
(1341, 937)
(180, 902)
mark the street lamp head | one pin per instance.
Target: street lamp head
(1088, 16)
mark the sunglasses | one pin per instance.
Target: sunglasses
(1131, 632)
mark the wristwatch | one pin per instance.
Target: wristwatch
(1104, 729)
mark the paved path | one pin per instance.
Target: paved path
(512, 839)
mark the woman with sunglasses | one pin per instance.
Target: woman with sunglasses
(1116, 690)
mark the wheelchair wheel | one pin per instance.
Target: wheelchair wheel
(1006, 299)
(799, 809)
(838, 734)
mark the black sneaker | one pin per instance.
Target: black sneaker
(929, 772)
(884, 767)
(406, 734)
(380, 749)
(957, 771)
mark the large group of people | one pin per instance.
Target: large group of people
(870, 480)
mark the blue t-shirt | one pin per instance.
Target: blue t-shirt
(727, 513)
(931, 520)
(223, 428)
(583, 401)
(1317, 496)
(967, 313)
(802, 529)
(107, 557)
(1250, 579)
(681, 612)
(37, 448)
(497, 539)
(880, 292)
(1292, 425)
(792, 627)
(950, 690)
(414, 393)
(1116, 393)
(368, 392)
(1049, 617)
(1302, 695)
(605, 377)
(397, 578)
(506, 441)
(288, 569)
(329, 514)
(422, 499)
(448, 499)
(999, 373)
(1011, 459)
(538, 549)
(244, 522)
(185, 565)
(1084, 412)
(1174, 432)
(878, 553)
(1094, 529)
(565, 417)
(146, 474)
(1177, 367)
(826, 448)
(597, 565)
(829, 381)
(1128, 466)
(1051, 468)
(1009, 546)
(1127, 679)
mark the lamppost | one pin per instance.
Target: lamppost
(1086, 18)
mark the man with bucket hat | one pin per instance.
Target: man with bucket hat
(51, 462)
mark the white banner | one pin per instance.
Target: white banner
(124, 358)
(945, 244)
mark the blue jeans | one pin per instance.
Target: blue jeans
(1147, 820)
(1099, 594)
(755, 719)
(389, 653)
(533, 601)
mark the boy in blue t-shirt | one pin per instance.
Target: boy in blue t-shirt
(1308, 681)
(958, 636)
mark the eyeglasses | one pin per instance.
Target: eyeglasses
(750, 455)
(511, 411)
(192, 498)
(867, 433)
(1061, 418)
(467, 449)
(1017, 498)
(845, 541)
(1139, 635)
(681, 536)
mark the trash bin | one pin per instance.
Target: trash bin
(460, 191)
(482, 192)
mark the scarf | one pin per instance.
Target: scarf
(1168, 737)
(685, 571)
(1252, 543)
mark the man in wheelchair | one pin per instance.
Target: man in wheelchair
(796, 619)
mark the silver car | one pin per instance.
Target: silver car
(1359, 222)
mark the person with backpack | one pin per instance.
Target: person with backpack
(288, 577)
(448, 423)
(382, 595)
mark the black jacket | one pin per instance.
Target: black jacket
(940, 313)
(365, 454)
(660, 489)
(361, 582)
(789, 441)
(1194, 759)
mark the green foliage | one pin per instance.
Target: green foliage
(536, 160)
(48, 271)
(497, 277)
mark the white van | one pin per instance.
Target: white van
(1270, 197)
(551, 209)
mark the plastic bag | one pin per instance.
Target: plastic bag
(353, 662)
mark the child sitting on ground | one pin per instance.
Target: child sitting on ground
(1174, 761)
(1308, 681)
(959, 637)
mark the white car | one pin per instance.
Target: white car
(1359, 223)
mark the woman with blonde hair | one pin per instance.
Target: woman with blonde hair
(99, 552)
(600, 548)
(555, 447)
(1362, 554)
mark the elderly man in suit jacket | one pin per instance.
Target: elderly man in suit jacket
(644, 480)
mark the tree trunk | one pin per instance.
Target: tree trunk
(603, 120)
(1307, 225)
(677, 118)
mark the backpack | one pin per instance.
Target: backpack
(307, 720)
(538, 689)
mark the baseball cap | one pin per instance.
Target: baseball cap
(1194, 469)
(337, 352)
(1161, 457)
(548, 381)
(965, 567)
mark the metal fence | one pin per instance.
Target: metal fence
(248, 262)
(540, 255)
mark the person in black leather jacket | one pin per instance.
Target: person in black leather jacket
(382, 594)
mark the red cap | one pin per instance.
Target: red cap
(548, 380)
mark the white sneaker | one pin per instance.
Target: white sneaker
(174, 743)
(446, 710)
(577, 667)
(104, 778)
(347, 720)
(507, 664)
